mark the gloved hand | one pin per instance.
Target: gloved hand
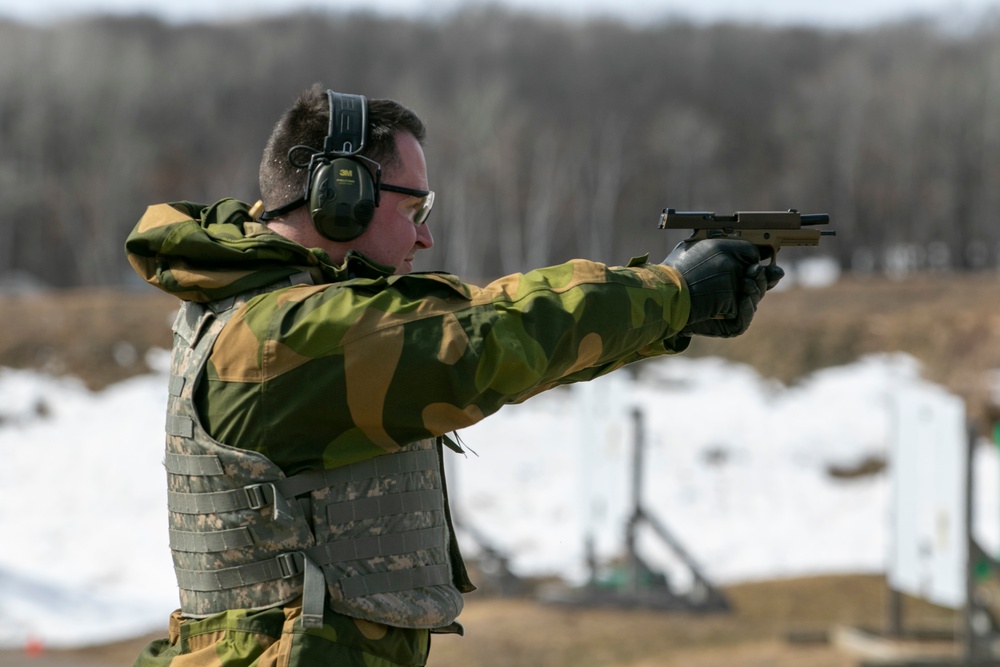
(726, 281)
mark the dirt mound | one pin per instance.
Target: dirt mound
(99, 336)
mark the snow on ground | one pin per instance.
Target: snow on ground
(735, 466)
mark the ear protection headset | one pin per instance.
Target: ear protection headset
(340, 191)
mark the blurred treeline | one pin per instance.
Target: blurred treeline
(548, 139)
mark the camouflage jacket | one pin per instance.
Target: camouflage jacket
(350, 362)
(363, 362)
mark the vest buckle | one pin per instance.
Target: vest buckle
(288, 564)
(256, 497)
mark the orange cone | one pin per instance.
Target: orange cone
(34, 646)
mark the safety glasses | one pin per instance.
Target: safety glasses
(417, 210)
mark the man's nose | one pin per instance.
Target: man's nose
(424, 237)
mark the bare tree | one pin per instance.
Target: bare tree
(548, 137)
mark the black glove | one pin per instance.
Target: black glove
(726, 282)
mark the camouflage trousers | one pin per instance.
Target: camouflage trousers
(274, 638)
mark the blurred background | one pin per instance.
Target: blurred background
(556, 129)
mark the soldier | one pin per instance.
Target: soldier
(314, 380)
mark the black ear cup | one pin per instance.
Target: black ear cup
(341, 199)
(341, 192)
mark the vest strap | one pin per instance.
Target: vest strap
(179, 426)
(258, 496)
(253, 497)
(190, 320)
(428, 500)
(291, 564)
(283, 566)
(313, 594)
(176, 384)
(376, 467)
(396, 580)
(392, 544)
(294, 563)
(213, 542)
(194, 465)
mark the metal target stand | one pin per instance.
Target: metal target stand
(975, 639)
(640, 585)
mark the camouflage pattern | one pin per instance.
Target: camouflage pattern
(433, 606)
(362, 363)
(195, 330)
(355, 505)
(276, 638)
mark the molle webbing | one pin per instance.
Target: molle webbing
(209, 543)
(281, 493)
(196, 465)
(281, 567)
(397, 503)
(251, 497)
(288, 565)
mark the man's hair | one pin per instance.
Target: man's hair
(306, 123)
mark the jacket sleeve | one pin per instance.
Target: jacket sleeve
(361, 369)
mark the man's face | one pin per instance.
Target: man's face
(392, 238)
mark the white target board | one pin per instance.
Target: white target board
(928, 552)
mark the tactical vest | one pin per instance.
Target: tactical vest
(373, 539)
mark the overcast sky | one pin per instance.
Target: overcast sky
(832, 13)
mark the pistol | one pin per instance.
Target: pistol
(764, 229)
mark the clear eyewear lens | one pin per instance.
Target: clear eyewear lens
(417, 209)
(417, 206)
(425, 209)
